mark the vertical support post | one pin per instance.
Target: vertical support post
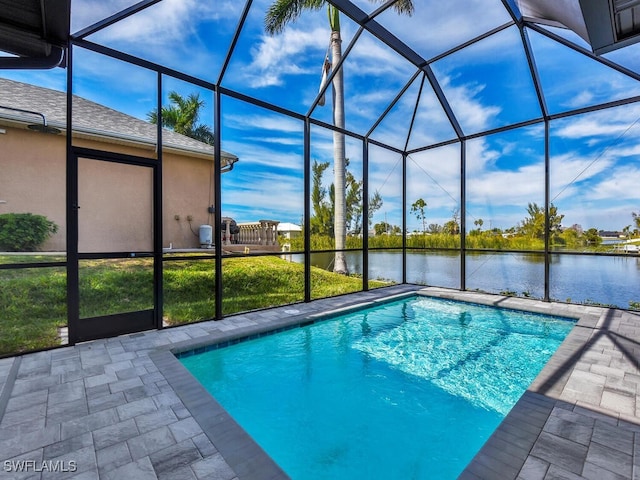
(73, 289)
(365, 214)
(547, 205)
(158, 267)
(463, 215)
(404, 217)
(217, 214)
(306, 227)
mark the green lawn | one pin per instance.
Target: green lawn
(33, 301)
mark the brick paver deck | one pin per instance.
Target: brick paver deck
(124, 407)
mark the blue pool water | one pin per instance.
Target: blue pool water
(406, 390)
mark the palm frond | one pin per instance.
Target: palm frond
(403, 7)
(152, 116)
(282, 12)
(203, 133)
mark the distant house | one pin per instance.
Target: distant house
(607, 234)
(33, 168)
(289, 230)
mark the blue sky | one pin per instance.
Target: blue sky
(594, 157)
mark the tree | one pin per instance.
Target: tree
(636, 219)
(434, 228)
(478, 223)
(354, 207)
(322, 219)
(452, 227)
(533, 226)
(555, 220)
(353, 202)
(381, 228)
(182, 117)
(281, 13)
(593, 237)
(375, 204)
(417, 208)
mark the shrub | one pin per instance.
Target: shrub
(24, 232)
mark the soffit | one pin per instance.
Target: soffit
(605, 24)
(34, 29)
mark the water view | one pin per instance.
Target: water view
(573, 278)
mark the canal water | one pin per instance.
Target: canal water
(573, 278)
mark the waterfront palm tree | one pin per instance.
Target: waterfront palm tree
(279, 15)
(182, 117)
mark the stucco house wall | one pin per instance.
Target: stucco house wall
(33, 178)
(115, 200)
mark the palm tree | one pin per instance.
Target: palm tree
(182, 117)
(281, 13)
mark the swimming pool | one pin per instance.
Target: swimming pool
(407, 389)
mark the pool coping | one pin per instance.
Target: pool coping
(511, 451)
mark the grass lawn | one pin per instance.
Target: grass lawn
(33, 301)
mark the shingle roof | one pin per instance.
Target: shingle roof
(90, 117)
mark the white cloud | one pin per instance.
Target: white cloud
(285, 54)
(569, 171)
(370, 57)
(437, 26)
(175, 33)
(431, 124)
(585, 127)
(88, 12)
(256, 154)
(269, 122)
(609, 123)
(621, 183)
(479, 157)
(580, 99)
(597, 215)
(441, 163)
(169, 20)
(366, 103)
(465, 102)
(507, 187)
(288, 141)
(256, 195)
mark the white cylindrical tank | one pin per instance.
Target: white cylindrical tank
(206, 236)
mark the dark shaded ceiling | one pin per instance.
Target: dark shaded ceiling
(605, 24)
(612, 24)
(35, 31)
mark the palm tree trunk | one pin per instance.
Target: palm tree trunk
(340, 228)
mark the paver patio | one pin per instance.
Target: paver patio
(124, 408)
